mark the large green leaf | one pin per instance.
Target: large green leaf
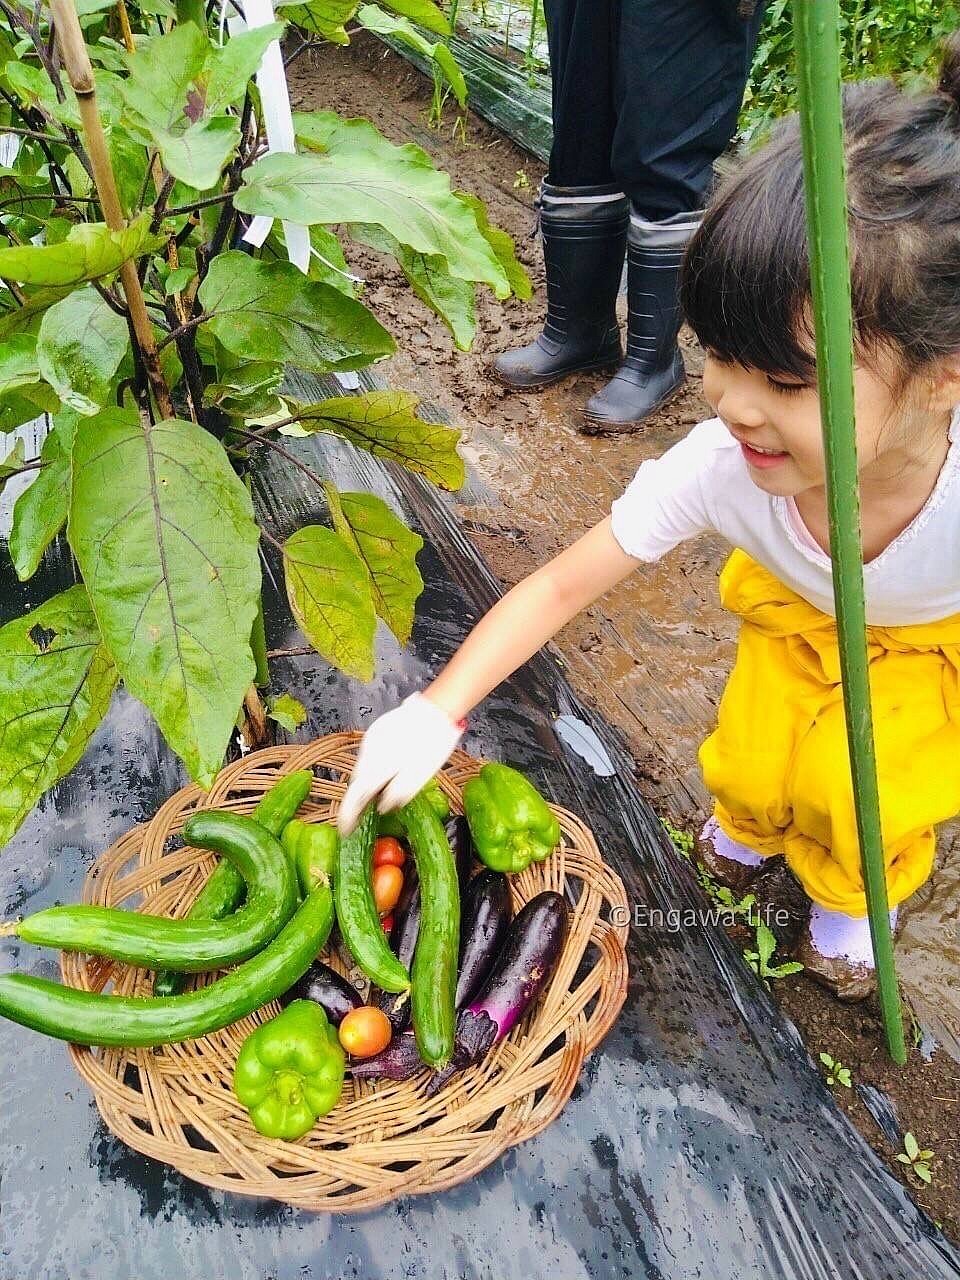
(40, 512)
(425, 12)
(56, 679)
(90, 250)
(272, 311)
(385, 424)
(322, 18)
(179, 92)
(389, 186)
(329, 592)
(502, 246)
(387, 548)
(430, 279)
(79, 349)
(327, 131)
(22, 394)
(164, 533)
(385, 24)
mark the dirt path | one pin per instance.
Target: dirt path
(653, 654)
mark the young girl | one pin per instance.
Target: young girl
(777, 763)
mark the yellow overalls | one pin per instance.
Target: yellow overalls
(777, 763)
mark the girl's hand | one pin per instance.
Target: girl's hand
(399, 754)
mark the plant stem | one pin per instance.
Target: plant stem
(284, 453)
(31, 133)
(274, 542)
(199, 204)
(80, 73)
(175, 334)
(159, 208)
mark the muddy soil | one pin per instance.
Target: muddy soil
(653, 655)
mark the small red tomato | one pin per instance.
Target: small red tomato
(365, 1031)
(387, 884)
(388, 852)
(387, 923)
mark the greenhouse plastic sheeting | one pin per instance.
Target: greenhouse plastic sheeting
(500, 90)
(700, 1140)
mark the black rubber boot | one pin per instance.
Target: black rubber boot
(584, 239)
(653, 371)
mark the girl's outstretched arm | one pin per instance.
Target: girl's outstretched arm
(529, 615)
(403, 749)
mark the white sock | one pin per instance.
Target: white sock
(837, 936)
(728, 848)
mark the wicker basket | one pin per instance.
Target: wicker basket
(383, 1139)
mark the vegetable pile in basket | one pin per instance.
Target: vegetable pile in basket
(451, 971)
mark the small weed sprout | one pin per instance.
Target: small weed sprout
(916, 1160)
(837, 1073)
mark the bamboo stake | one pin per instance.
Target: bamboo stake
(817, 30)
(76, 61)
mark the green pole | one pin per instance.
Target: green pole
(817, 38)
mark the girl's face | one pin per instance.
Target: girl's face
(777, 423)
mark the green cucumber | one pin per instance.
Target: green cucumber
(84, 1017)
(187, 945)
(225, 886)
(434, 972)
(357, 916)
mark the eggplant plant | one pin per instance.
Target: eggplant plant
(155, 340)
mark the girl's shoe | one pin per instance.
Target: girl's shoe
(835, 949)
(731, 863)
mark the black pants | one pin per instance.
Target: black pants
(646, 94)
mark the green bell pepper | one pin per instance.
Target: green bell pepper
(290, 1071)
(389, 824)
(511, 823)
(312, 848)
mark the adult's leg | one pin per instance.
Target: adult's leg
(583, 39)
(682, 69)
(683, 66)
(583, 212)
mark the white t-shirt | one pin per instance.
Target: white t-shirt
(702, 483)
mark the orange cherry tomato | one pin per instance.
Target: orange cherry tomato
(388, 852)
(387, 922)
(387, 885)
(365, 1031)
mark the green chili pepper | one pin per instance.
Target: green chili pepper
(390, 824)
(290, 1071)
(511, 823)
(312, 848)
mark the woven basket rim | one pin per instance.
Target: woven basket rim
(383, 1140)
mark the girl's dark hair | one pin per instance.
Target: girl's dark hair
(745, 286)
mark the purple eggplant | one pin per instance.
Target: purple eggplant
(523, 968)
(485, 918)
(529, 956)
(461, 842)
(398, 1061)
(325, 987)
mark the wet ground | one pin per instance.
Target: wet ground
(652, 656)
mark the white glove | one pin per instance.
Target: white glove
(399, 754)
